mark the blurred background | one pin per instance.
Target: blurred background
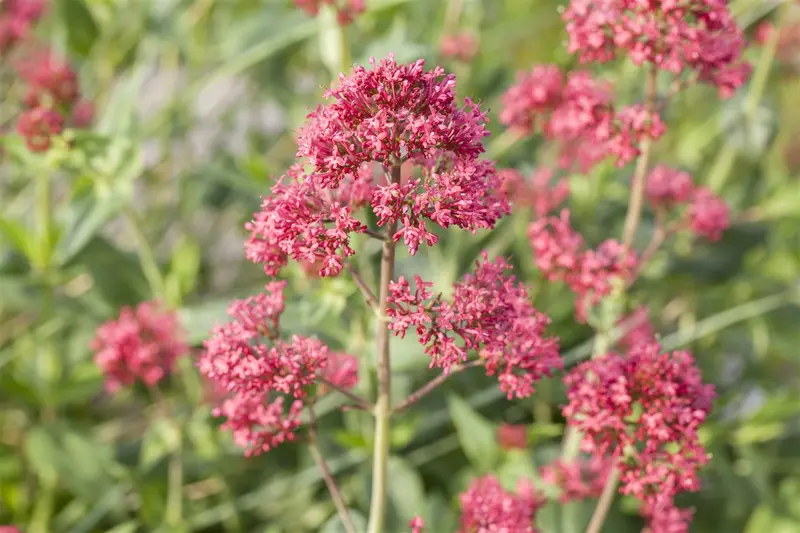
(195, 106)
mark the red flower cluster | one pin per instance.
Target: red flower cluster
(664, 517)
(346, 10)
(462, 46)
(709, 215)
(695, 35)
(142, 344)
(644, 410)
(294, 222)
(16, 19)
(538, 192)
(577, 109)
(52, 94)
(342, 370)
(581, 479)
(486, 507)
(491, 314)
(417, 524)
(391, 115)
(668, 187)
(260, 372)
(560, 255)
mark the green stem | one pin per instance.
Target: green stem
(383, 407)
(173, 515)
(147, 257)
(45, 500)
(44, 223)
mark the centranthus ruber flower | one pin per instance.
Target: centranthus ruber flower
(486, 507)
(417, 525)
(9, 529)
(346, 10)
(577, 110)
(16, 19)
(489, 314)
(709, 215)
(141, 345)
(538, 192)
(700, 36)
(668, 187)
(49, 78)
(462, 46)
(663, 517)
(389, 114)
(342, 370)
(643, 409)
(513, 436)
(267, 378)
(38, 126)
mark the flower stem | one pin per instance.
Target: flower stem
(360, 402)
(604, 503)
(147, 257)
(327, 476)
(634, 213)
(173, 515)
(369, 296)
(383, 408)
(432, 384)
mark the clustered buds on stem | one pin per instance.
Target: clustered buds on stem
(346, 10)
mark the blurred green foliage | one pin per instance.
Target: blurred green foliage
(197, 105)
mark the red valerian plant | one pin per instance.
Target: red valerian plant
(142, 345)
(394, 156)
(346, 10)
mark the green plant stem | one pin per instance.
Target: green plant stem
(45, 500)
(147, 257)
(634, 213)
(383, 407)
(327, 476)
(604, 503)
(173, 516)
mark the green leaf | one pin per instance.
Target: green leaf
(475, 433)
(161, 439)
(184, 269)
(15, 234)
(82, 30)
(87, 217)
(406, 490)
(334, 523)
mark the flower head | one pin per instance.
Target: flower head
(462, 46)
(668, 187)
(417, 524)
(16, 19)
(50, 77)
(709, 215)
(490, 314)
(663, 517)
(697, 35)
(38, 126)
(643, 408)
(538, 192)
(346, 10)
(486, 507)
(342, 370)
(388, 114)
(638, 328)
(141, 345)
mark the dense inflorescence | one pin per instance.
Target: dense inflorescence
(142, 344)
(486, 507)
(490, 314)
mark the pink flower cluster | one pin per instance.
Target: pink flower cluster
(537, 192)
(580, 479)
(700, 36)
(346, 10)
(577, 110)
(486, 507)
(51, 99)
(643, 409)
(460, 46)
(266, 378)
(560, 254)
(512, 436)
(390, 116)
(341, 370)
(141, 345)
(708, 215)
(491, 314)
(16, 19)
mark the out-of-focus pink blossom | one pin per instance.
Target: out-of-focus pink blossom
(644, 409)
(666, 187)
(462, 46)
(537, 192)
(16, 19)
(417, 525)
(663, 517)
(82, 114)
(48, 77)
(10, 529)
(638, 328)
(577, 110)
(697, 35)
(709, 215)
(38, 126)
(578, 480)
(342, 370)
(512, 436)
(141, 345)
(346, 10)
(486, 507)
(557, 248)
(490, 313)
